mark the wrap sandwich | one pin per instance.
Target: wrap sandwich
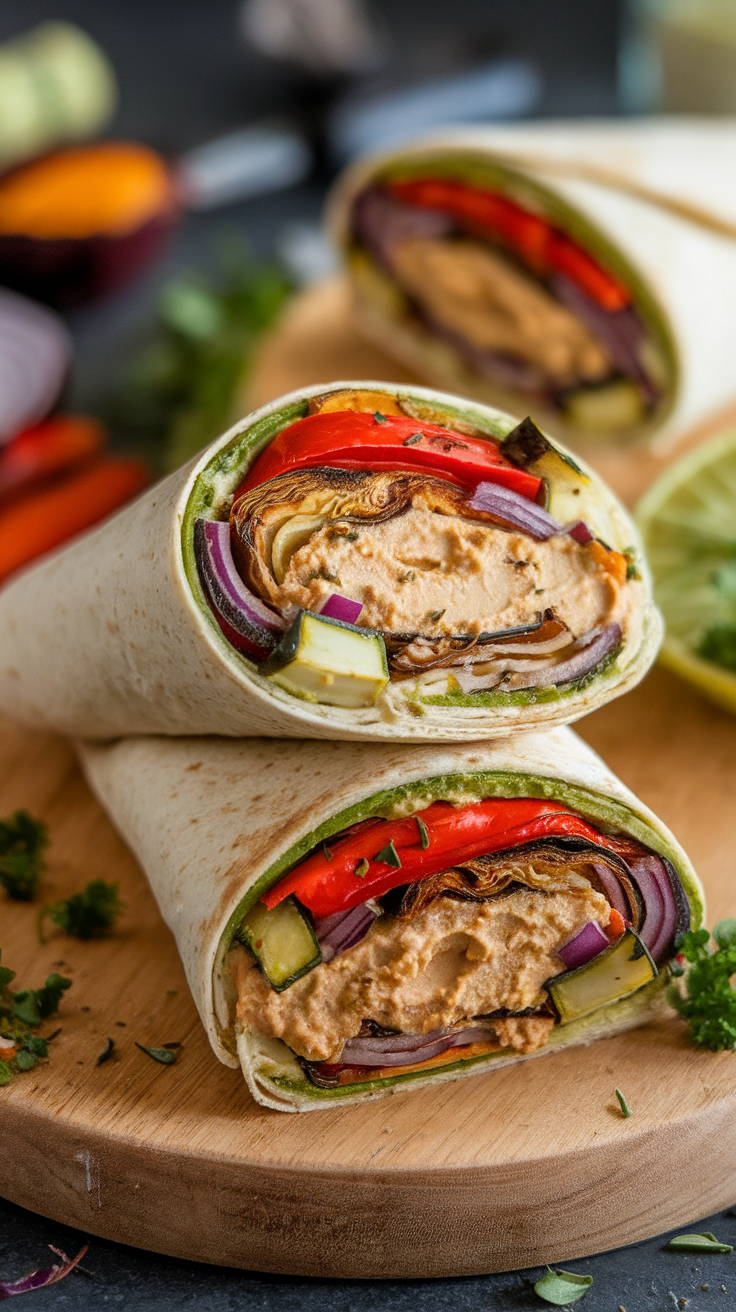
(356, 919)
(586, 271)
(365, 560)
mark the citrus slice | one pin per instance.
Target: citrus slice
(688, 523)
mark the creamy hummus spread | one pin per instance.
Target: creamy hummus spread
(451, 962)
(496, 307)
(421, 571)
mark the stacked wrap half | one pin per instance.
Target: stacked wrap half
(481, 609)
(632, 273)
(262, 807)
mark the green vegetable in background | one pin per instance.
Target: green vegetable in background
(22, 844)
(20, 1014)
(180, 392)
(709, 1003)
(562, 1287)
(88, 914)
(702, 1243)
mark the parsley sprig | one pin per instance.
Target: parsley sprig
(20, 1014)
(709, 1002)
(23, 841)
(88, 914)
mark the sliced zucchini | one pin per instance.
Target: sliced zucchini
(617, 971)
(326, 660)
(605, 409)
(282, 942)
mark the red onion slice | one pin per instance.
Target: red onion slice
(407, 1049)
(586, 945)
(35, 354)
(580, 532)
(589, 652)
(255, 627)
(613, 890)
(660, 908)
(337, 933)
(341, 608)
(515, 510)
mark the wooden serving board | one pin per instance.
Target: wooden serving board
(526, 1165)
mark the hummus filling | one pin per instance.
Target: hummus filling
(437, 574)
(453, 961)
(480, 295)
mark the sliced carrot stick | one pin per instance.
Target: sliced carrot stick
(40, 521)
(49, 448)
(616, 925)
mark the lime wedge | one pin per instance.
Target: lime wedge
(688, 523)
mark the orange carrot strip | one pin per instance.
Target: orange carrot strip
(40, 521)
(49, 448)
(616, 925)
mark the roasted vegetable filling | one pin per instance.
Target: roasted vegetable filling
(418, 552)
(521, 302)
(452, 932)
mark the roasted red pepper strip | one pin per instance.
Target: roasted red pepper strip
(543, 247)
(454, 834)
(348, 439)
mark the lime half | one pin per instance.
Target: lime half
(688, 523)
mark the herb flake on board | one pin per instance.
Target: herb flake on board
(625, 1109)
(166, 1056)
(562, 1287)
(20, 1014)
(703, 1243)
(88, 914)
(23, 841)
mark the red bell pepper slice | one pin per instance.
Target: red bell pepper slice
(543, 247)
(348, 439)
(450, 834)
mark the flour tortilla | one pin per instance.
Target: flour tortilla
(259, 806)
(660, 194)
(113, 635)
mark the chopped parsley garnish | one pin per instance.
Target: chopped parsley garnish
(327, 851)
(709, 1003)
(88, 914)
(106, 1052)
(22, 844)
(562, 1287)
(625, 1109)
(412, 441)
(389, 855)
(163, 1055)
(434, 615)
(632, 569)
(362, 868)
(423, 832)
(379, 418)
(702, 1243)
(20, 1014)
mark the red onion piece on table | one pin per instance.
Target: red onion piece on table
(256, 627)
(35, 353)
(584, 946)
(406, 1049)
(515, 510)
(39, 1279)
(341, 608)
(337, 933)
(660, 908)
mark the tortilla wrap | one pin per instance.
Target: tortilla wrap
(653, 201)
(260, 806)
(114, 634)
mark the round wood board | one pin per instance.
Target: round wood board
(505, 1170)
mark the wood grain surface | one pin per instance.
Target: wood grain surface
(510, 1169)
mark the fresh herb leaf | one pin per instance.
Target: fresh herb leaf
(362, 868)
(632, 569)
(6, 974)
(25, 1060)
(709, 1003)
(389, 855)
(423, 832)
(22, 844)
(412, 441)
(163, 1055)
(328, 853)
(562, 1287)
(34, 1005)
(6, 1073)
(704, 1243)
(718, 644)
(87, 914)
(434, 615)
(379, 418)
(106, 1052)
(625, 1109)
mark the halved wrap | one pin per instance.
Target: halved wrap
(584, 271)
(364, 560)
(356, 919)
